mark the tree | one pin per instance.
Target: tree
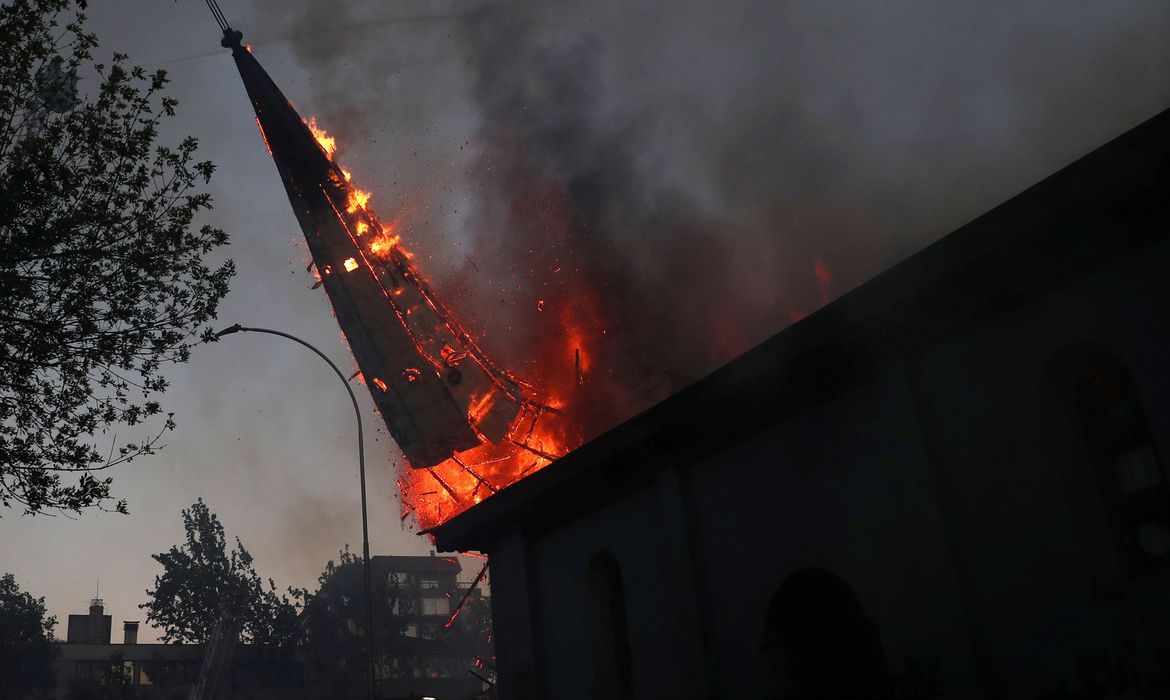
(333, 639)
(27, 651)
(202, 581)
(104, 278)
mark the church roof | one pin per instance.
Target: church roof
(1108, 205)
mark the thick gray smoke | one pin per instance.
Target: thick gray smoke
(681, 180)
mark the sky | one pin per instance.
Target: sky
(720, 172)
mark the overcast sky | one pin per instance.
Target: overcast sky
(815, 143)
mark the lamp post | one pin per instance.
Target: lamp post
(362, 477)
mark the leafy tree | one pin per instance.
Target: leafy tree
(104, 278)
(27, 651)
(203, 581)
(471, 634)
(333, 639)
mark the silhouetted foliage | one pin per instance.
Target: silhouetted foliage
(331, 626)
(471, 634)
(202, 580)
(27, 651)
(333, 635)
(114, 681)
(104, 277)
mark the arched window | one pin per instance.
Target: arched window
(818, 641)
(613, 669)
(1129, 473)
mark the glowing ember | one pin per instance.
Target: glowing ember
(263, 136)
(350, 264)
(362, 227)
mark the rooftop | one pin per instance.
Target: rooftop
(1108, 205)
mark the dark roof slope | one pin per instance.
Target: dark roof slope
(1107, 205)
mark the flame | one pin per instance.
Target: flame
(542, 431)
(480, 405)
(357, 199)
(324, 140)
(384, 242)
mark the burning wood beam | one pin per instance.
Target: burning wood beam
(459, 608)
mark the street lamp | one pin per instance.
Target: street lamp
(362, 477)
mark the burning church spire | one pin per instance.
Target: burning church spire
(467, 425)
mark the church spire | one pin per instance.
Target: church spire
(436, 390)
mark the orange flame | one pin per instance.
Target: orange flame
(540, 433)
(324, 140)
(384, 242)
(357, 199)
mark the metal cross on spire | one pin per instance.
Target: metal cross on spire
(220, 19)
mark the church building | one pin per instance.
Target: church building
(950, 482)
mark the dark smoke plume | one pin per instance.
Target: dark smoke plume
(680, 180)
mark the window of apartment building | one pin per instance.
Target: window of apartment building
(436, 667)
(428, 583)
(1129, 473)
(436, 606)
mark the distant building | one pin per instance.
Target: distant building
(90, 660)
(417, 655)
(950, 482)
(93, 628)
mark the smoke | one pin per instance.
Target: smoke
(677, 181)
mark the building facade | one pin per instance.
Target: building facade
(90, 664)
(950, 482)
(419, 650)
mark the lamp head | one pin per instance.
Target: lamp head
(234, 328)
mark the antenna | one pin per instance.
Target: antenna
(97, 595)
